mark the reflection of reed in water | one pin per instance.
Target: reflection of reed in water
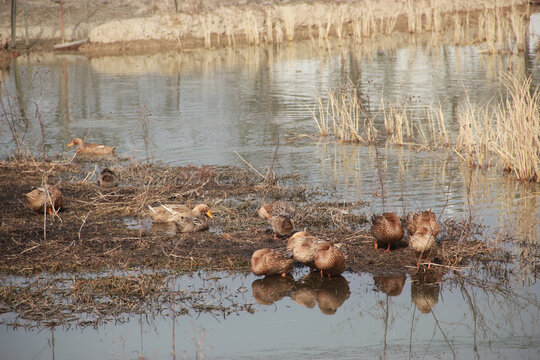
(270, 289)
(328, 293)
(390, 285)
(425, 289)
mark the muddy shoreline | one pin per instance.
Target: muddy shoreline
(91, 233)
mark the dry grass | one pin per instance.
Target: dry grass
(351, 122)
(513, 137)
(517, 132)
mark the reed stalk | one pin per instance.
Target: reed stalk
(517, 141)
(287, 15)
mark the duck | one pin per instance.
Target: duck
(173, 212)
(48, 196)
(91, 149)
(107, 179)
(279, 215)
(304, 248)
(270, 262)
(330, 259)
(191, 222)
(423, 243)
(386, 229)
(420, 219)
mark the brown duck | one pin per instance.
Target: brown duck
(48, 196)
(91, 149)
(175, 212)
(330, 259)
(107, 179)
(386, 229)
(420, 219)
(279, 214)
(304, 248)
(269, 262)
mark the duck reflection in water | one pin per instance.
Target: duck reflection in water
(425, 289)
(270, 289)
(328, 293)
(391, 285)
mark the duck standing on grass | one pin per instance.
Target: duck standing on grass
(423, 228)
(386, 229)
(107, 179)
(424, 245)
(91, 149)
(420, 219)
(331, 259)
(280, 215)
(46, 196)
(270, 262)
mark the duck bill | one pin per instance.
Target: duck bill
(209, 214)
(71, 144)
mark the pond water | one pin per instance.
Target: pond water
(202, 107)
(347, 317)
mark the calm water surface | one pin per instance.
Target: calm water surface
(202, 106)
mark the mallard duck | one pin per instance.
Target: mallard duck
(426, 219)
(173, 212)
(424, 244)
(91, 149)
(191, 222)
(279, 214)
(304, 248)
(46, 194)
(386, 229)
(330, 259)
(269, 262)
(107, 178)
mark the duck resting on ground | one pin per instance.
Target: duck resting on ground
(270, 262)
(48, 196)
(107, 179)
(420, 219)
(173, 212)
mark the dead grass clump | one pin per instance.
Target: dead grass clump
(351, 120)
(513, 138)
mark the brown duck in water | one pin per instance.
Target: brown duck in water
(91, 149)
(269, 262)
(423, 219)
(175, 212)
(107, 179)
(48, 196)
(386, 229)
(330, 259)
(279, 214)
